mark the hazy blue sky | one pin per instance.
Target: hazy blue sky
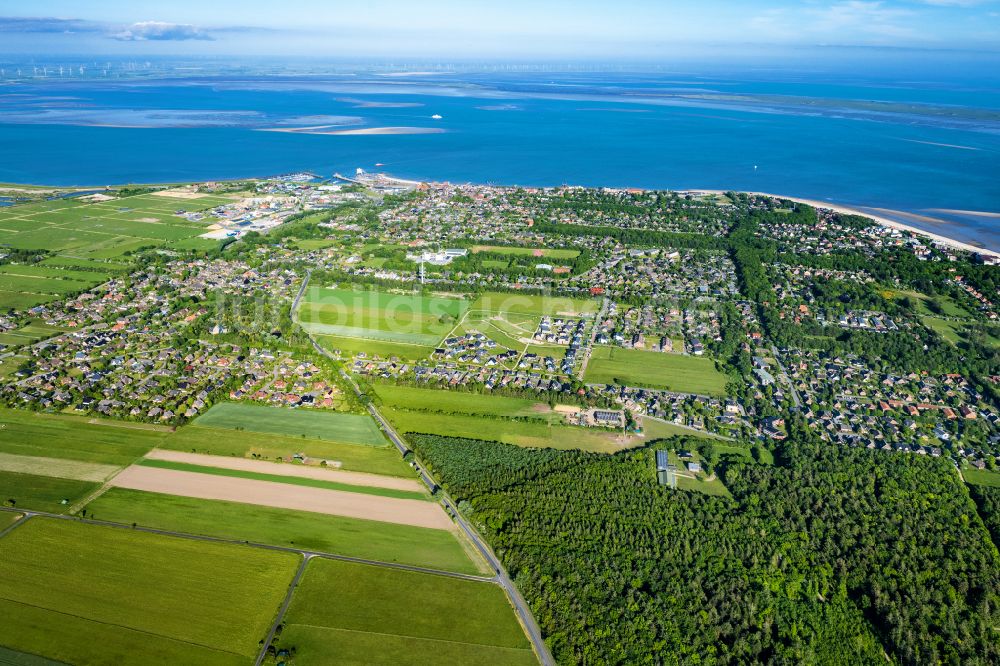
(494, 29)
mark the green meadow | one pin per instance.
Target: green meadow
(673, 372)
(535, 304)
(379, 315)
(245, 443)
(76, 438)
(350, 613)
(42, 493)
(79, 593)
(349, 346)
(307, 424)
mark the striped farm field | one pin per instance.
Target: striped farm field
(86, 594)
(340, 535)
(349, 613)
(308, 424)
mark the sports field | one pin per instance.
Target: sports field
(348, 613)
(79, 593)
(673, 372)
(353, 537)
(379, 315)
(308, 424)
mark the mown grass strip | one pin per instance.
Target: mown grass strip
(293, 480)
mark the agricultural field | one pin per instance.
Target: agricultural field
(83, 226)
(379, 315)
(284, 495)
(79, 593)
(42, 493)
(673, 372)
(306, 481)
(426, 399)
(307, 424)
(555, 253)
(244, 443)
(349, 613)
(81, 234)
(533, 304)
(76, 438)
(340, 535)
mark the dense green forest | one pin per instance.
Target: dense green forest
(833, 556)
(988, 500)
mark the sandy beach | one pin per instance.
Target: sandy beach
(880, 219)
(355, 132)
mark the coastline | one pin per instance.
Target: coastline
(884, 221)
(839, 208)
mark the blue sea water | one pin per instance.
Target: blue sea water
(929, 149)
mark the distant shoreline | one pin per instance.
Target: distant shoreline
(815, 203)
(884, 221)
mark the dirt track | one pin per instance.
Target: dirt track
(418, 513)
(287, 469)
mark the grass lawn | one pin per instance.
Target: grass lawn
(81, 593)
(349, 346)
(368, 539)
(243, 443)
(655, 429)
(673, 372)
(533, 304)
(981, 477)
(408, 397)
(379, 315)
(354, 613)
(952, 331)
(293, 480)
(308, 424)
(75, 438)
(42, 493)
(698, 482)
